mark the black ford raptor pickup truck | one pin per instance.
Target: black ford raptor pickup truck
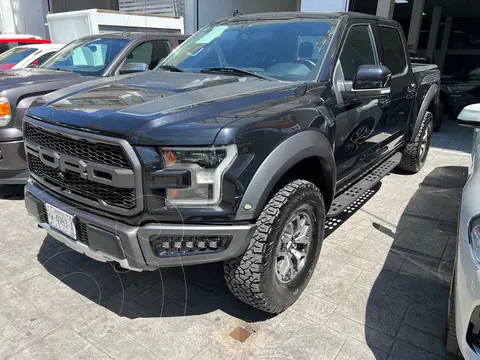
(235, 149)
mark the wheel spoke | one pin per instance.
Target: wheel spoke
(298, 255)
(303, 237)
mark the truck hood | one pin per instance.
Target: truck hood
(161, 108)
(20, 77)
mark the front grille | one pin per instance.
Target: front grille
(99, 153)
(97, 171)
(80, 226)
(123, 198)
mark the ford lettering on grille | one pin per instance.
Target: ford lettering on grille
(104, 174)
(89, 171)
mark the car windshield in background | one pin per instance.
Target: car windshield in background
(86, 57)
(15, 55)
(282, 49)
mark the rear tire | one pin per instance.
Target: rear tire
(415, 154)
(259, 277)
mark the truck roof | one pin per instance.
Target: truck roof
(310, 15)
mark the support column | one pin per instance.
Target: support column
(432, 37)
(385, 8)
(415, 24)
(445, 39)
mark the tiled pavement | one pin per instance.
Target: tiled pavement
(379, 291)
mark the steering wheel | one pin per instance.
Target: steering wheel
(309, 63)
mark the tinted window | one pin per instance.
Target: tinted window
(285, 49)
(87, 56)
(15, 55)
(393, 52)
(357, 50)
(45, 57)
(150, 52)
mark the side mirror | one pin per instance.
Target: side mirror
(470, 116)
(372, 81)
(133, 67)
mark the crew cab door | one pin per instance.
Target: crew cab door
(402, 87)
(360, 121)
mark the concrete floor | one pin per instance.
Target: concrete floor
(379, 291)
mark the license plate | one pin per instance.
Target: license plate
(61, 221)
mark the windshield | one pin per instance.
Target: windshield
(86, 56)
(282, 49)
(15, 55)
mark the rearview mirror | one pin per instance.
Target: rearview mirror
(133, 67)
(372, 80)
(470, 116)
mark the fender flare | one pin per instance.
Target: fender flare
(296, 148)
(429, 97)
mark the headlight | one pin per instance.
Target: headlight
(5, 115)
(207, 167)
(475, 238)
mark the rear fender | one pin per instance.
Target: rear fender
(430, 97)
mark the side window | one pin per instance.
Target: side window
(150, 52)
(358, 49)
(393, 50)
(180, 41)
(45, 57)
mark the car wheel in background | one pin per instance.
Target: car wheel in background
(415, 153)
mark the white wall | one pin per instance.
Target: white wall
(23, 17)
(211, 10)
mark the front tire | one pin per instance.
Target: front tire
(415, 153)
(283, 252)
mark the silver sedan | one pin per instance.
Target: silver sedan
(463, 335)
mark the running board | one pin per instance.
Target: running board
(343, 201)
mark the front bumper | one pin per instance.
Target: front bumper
(131, 246)
(13, 166)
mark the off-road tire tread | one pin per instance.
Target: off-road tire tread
(243, 274)
(410, 160)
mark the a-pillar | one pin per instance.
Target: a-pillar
(434, 27)
(445, 39)
(415, 25)
(385, 8)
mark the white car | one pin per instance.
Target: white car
(463, 332)
(24, 56)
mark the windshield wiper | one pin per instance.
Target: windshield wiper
(170, 68)
(234, 71)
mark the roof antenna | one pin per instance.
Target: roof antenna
(236, 12)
